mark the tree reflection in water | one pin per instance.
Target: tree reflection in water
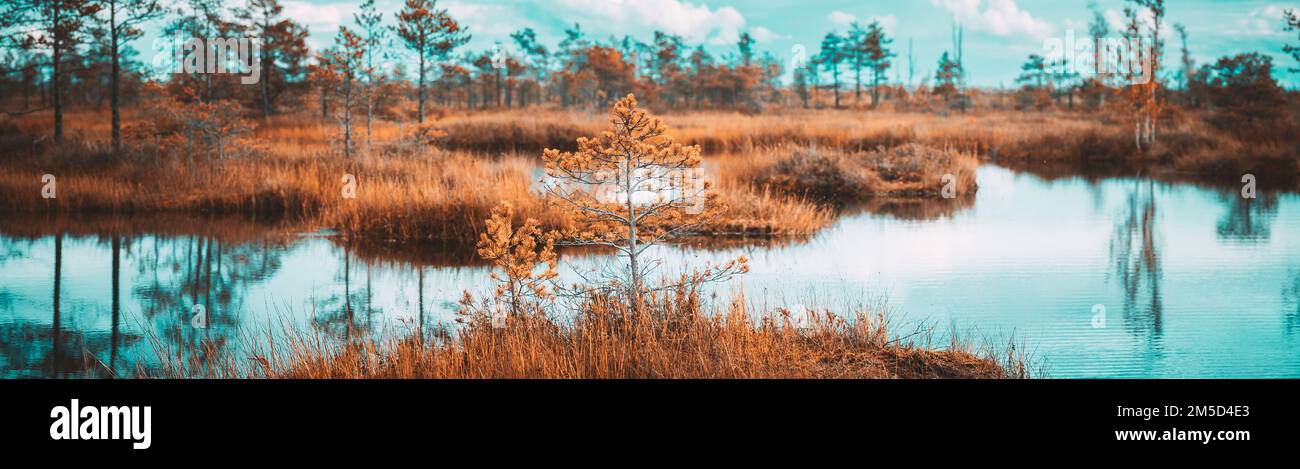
(1136, 263)
(1247, 220)
(337, 313)
(1291, 304)
(147, 312)
(206, 273)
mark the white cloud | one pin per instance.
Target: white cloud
(1119, 24)
(764, 35)
(999, 17)
(961, 8)
(696, 23)
(841, 19)
(889, 22)
(313, 15)
(1005, 17)
(1265, 21)
(1115, 20)
(483, 19)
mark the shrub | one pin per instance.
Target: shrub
(829, 176)
(825, 176)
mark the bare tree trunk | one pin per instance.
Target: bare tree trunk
(875, 90)
(113, 86)
(634, 292)
(1151, 129)
(347, 289)
(1137, 133)
(370, 92)
(857, 86)
(266, 84)
(117, 269)
(57, 74)
(836, 77)
(420, 107)
(497, 99)
(347, 119)
(56, 334)
(420, 299)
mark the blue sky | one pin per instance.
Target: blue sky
(999, 33)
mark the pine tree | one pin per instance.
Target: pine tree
(347, 65)
(432, 35)
(1034, 78)
(56, 25)
(746, 48)
(283, 48)
(1099, 28)
(536, 54)
(629, 189)
(876, 48)
(856, 49)
(123, 17)
(1292, 21)
(373, 36)
(947, 78)
(831, 55)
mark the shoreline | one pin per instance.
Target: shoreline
(676, 338)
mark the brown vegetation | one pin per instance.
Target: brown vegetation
(833, 176)
(761, 164)
(406, 191)
(675, 336)
(1191, 142)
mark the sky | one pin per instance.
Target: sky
(999, 34)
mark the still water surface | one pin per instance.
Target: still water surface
(1118, 277)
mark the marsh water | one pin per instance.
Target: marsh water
(1110, 277)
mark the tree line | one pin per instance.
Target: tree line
(1239, 89)
(397, 65)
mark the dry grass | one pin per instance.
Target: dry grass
(438, 197)
(674, 337)
(405, 192)
(837, 177)
(847, 130)
(760, 212)
(1188, 142)
(714, 131)
(778, 171)
(519, 131)
(442, 198)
